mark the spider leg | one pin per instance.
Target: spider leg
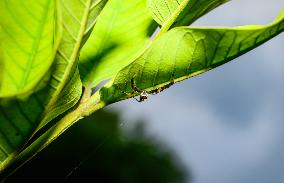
(137, 99)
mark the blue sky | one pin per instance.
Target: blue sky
(226, 125)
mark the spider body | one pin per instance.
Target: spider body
(143, 96)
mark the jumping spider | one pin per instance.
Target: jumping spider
(143, 94)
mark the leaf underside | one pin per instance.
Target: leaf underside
(184, 52)
(29, 40)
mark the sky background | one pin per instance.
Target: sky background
(227, 125)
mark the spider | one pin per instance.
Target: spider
(143, 94)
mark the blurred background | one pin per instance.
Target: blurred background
(225, 126)
(98, 150)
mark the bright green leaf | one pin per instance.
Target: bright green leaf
(122, 31)
(184, 52)
(29, 39)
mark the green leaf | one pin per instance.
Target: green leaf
(122, 31)
(29, 39)
(180, 12)
(19, 120)
(184, 52)
(79, 18)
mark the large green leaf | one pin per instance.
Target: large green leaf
(21, 119)
(79, 18)
(180, 12)
(122, 30)
(29, 39)
(184, 52)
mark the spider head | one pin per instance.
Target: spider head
(143, 96)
